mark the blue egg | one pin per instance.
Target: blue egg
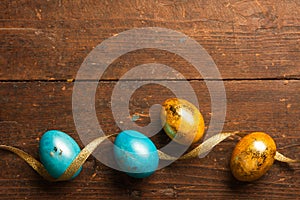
(135, 154)
(57, 151)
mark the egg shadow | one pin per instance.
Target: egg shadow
(236, 185)
(53, 189)
(128, 186)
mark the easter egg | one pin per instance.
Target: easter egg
(182, 121)
(57, 151)
(135, 154)
(253, 156)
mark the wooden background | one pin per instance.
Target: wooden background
(254, 43)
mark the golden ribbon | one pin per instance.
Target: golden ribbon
(202, 148)
(70, 171)
(282, 158)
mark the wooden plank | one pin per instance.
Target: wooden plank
(30, 108)
(255, 45)
(246, 39)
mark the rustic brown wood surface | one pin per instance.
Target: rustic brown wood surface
(254, 43)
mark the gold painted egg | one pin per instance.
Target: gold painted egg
(253, 156)
(182, 121)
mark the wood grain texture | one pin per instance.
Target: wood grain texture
(30, 109)
(246, 39)
(254, 43)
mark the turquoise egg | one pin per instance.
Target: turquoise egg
(57, 151)
(135, 154)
